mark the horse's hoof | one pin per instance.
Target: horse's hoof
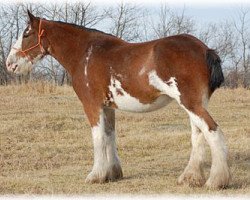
(219, 179)
(217, 183)
(103, 176)
(191, 178)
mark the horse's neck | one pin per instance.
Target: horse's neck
(66, 48)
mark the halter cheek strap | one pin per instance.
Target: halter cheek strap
(40, 34)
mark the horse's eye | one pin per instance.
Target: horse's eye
(25, 35)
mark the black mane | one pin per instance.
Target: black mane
(84, 28)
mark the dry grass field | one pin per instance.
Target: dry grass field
(46, 145)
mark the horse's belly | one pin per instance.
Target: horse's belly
(129, 103)
(124, 101)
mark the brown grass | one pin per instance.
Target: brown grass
(46, 145)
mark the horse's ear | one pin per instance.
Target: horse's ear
(31, 17)
(33, 21)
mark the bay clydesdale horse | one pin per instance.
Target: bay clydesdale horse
(109, 73)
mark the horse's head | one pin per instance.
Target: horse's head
(30, 47)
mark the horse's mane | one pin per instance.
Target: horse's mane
(84, 28)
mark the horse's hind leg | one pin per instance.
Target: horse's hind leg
(190, 98)
(219, 174)
(193, 174)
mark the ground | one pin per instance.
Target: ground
(46, 145)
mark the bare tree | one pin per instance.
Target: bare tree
(131, 22)
(172, 23)
(124, 21)
(206, 33)
(242, 24)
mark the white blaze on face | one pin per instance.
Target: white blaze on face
(18, 64)
(19, 41)
(21, 65)
(124, 101)
(17, 46)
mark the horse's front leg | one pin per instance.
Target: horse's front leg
(106, 161)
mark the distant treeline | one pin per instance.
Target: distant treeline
(133, 23)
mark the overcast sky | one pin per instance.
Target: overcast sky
(200, 10)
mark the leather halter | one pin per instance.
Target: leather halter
(40, 34)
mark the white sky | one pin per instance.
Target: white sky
(200, 10)
(171, 2)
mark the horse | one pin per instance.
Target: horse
(109, 73)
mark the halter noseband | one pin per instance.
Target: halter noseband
(40, 34)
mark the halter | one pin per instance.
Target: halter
(40, 34)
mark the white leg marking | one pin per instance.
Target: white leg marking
(105, 153)
(198, 146)
(197, 121)
(193, 174)
(106, 161)
(219, 174)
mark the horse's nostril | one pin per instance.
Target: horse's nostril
(8, 64)
(14, 68)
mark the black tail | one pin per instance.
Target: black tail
(214, 66)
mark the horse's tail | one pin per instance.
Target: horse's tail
(214, 66)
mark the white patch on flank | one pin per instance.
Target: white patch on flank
(169, 88)
(105, 153)
(126, 102)
(87, 60)
(142, 71)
